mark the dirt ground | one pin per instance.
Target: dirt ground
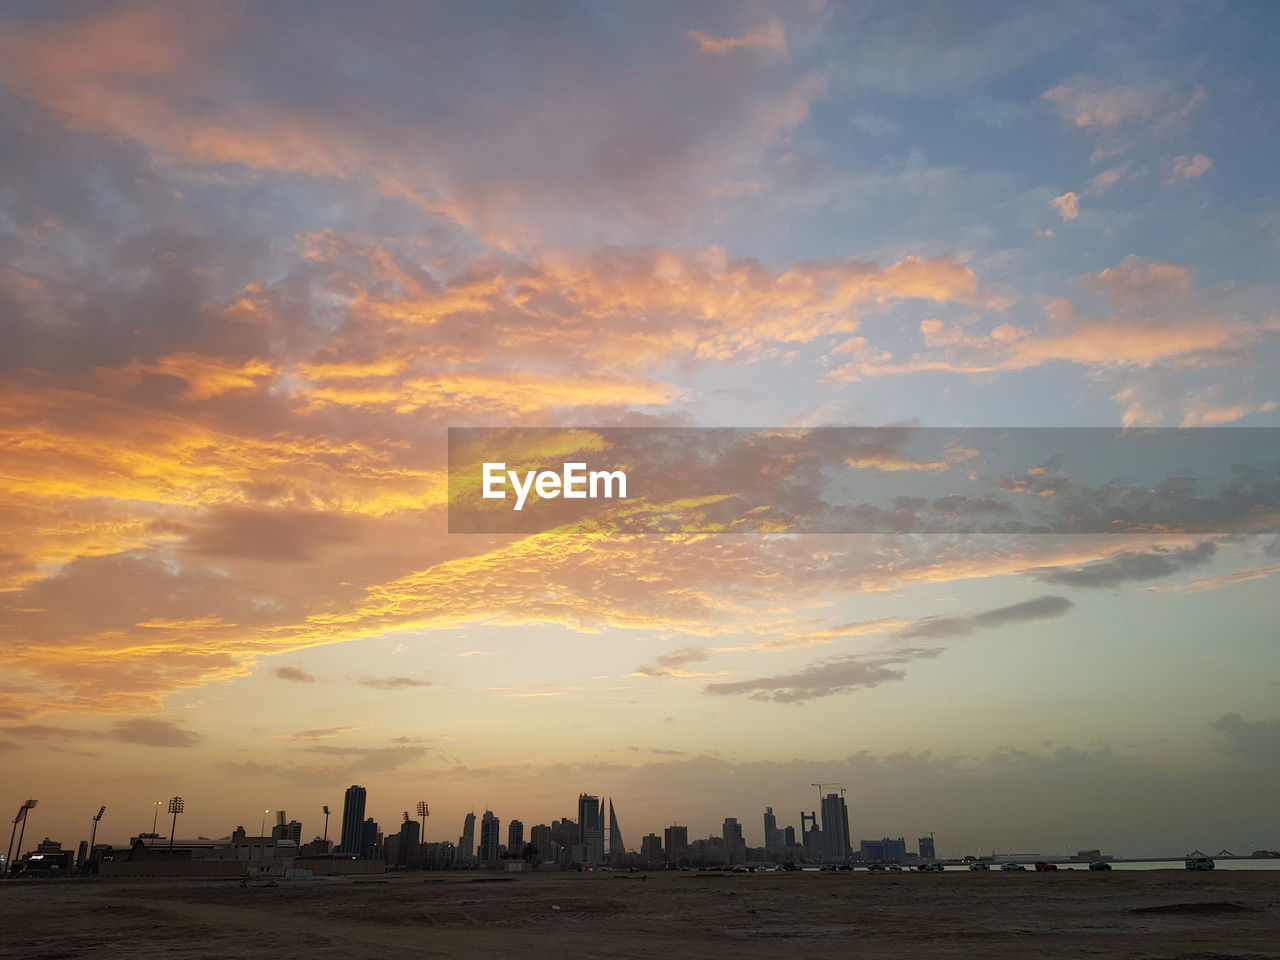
(1152, 915)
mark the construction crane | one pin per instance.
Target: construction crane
(823, 786)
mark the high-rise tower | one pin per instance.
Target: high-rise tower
(835, 828)
(352, 843)
(467, 842)
(490, 837)
(617, 848)
(591, 827)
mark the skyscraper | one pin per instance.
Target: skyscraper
(735, 847)
(467, 842)
(927, 851)
(591, 827)
(490, 837)
(773, 837)
(617, 849)
(287, 831)
(409, 852)
(675, 839)
(835, 828)
(515, 838)
(370, 840)
(548, 850)
(352, 843)
(651, 851)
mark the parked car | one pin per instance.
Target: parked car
(877, 868)
(1099, 865)
(895, 867)
(1010, 867)
(1042, 866)
(979, 865)
(1199, 863)
(930, 868)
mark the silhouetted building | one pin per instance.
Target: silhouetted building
(352, 842)
(591, 826)
(735, 847)
(651, 851)
(467, 842)
(773, 837)
(540, 837)
(886, 850)
(789, 836)
(675, 841)
(409, 844)
(926, 849)
(370, 840)
(617, 848)
(288, 831)
(515, 837)
(835, 828)
(490, 837)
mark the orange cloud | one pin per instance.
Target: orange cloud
(1067, 205)
(772, 36)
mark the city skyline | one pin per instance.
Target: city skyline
(257, 260)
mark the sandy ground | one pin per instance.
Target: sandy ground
(1197, 916)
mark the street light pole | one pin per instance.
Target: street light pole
(155, 817)
(326, 828)
(175, 807)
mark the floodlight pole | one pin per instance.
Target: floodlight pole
(19, 817)
(22, 832)
(93, 834)
(175, 807)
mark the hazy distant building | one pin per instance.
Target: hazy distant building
(515, 837)
(789, 837)
(675, 841)
(467, 842)
(885, 850)
(352, 841)
(735, 847)
(490, 837)
(287, 831)
(540, 837)
(651, 851)
(617, 848)
(774, 838)
(591, 827)
(835, 828)
(926, 849)
(811, 836)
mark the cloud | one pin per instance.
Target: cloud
(933, 628)
(144, 731)
(672, 664)
(153, 733)
(1201, 584)
(295, 674)
(826, 678)
(1256, 742)
(1184, 168)
(394, 683)
(1067, 205)
(1087, 103)
(326, 733)
(1128, 567)
(772, 36)
(844, 674)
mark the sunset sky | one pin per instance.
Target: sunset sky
(256, 259)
